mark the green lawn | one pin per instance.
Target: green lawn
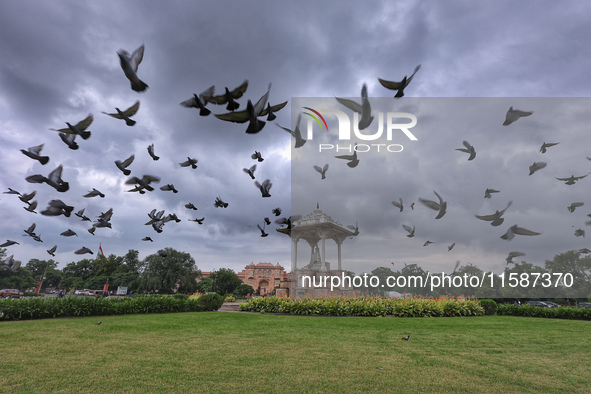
(244, 352)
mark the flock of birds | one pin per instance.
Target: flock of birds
(252, 116)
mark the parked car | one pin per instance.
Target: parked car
(79, 292)
(551, 304)
(89, 293)
(11, 293)
(584, 304)
(538, 303)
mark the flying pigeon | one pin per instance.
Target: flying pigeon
(11, 265)
(571, 208)
(80, 214)
(57, 208)
(147, 239)
(68, 233)
(547, 145)
(52, 250)
(354, 228)
(288, 221)
(191, 206)
(495, 218)
(250, 171)
(94, 193)
(264, 187)
(514, 114)
(322, 170)
(579, 233)
(353, 160)
(31, 233)
(512, 255)
(69, 139)
(411, 231)
(257, 156)
(27, 197)
(54, 179)
(31, 207)
(189, 162)
(79, 128)
(487, 193)
(169, 187)
(200, 101)
(296, 133)
(125, 115)
(8, 243)
(450, 247)
(536, 166)
(427, 243)
(34, 153)
(468, 149)
(515, 230)
(200, 221)
(142, 183)
(219, 203)
(276, 211)
(364, 108)
(441, 206)
(263, 233)
(129, 64)
(267, 221)
(399, 86)
(228, 97)
(83, 250)
(572, 179)
(251, 114)
(12, 191)
(151, 152)
(122, 165)
(398, 204)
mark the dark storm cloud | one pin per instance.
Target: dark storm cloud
(59, 64)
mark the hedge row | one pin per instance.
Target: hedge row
(34, 308)
(563, 312)
(408, 307)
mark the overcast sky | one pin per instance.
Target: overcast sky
(59, 63)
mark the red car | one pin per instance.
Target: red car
(11, 293)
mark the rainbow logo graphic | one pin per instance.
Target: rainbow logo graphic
(316, 119)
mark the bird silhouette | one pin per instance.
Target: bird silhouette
(191, 206)
(571, 208)
(257, 156)
(515, 230)
(69, 233)
(52, 250)
(411, 231)
(250, 171)
(514, 114)
(296, 133)
(440, 207)
(34, 153)
(399, 86)
(79, 128)
(130, 64)
(322, 170)
(93, 193)
(189, 163)
(200, 101)
(122, 165)
(276, 211)
(9, 243)
(57, 208)
(547, 145)
(572, 179)
(31, 207)
(496, 218)
(353, 160)
(127, 114)
(80, 214)
(536, 167)
(147, 239)
(84, 250)
(488, 193)
(200, 221)
(228, 97)
(143, 182)
(219, 203)
(54, 179)
(364, 108)
(398, 204)
(468, 149)
(262, 229)
(264, 187)
(450, 247)
(70, 140)
(169, 187)
(151, 152)
(512, 255)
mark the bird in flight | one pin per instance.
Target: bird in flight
(547, 145)
(399, 86)
(250, 171)
(487, 193)
(54, 179)
(122, 165)
(496, 218)
(515, 230)
(151, 152)
(440, 206)
(129, 64)
(468, 149)
(296, 133)
(34, 153)
(572, 179)
(200, 101)
(189, 163)
(364, 108)
(514, 114)
(127, 114)
(322, 170)
(79, 128)
(228, 97)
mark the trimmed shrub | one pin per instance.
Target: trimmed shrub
(563, 312)
(210, 302)
(490, 306)
(230, 298)
(42, 308)
(408, 307)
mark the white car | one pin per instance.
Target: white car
(79, 292)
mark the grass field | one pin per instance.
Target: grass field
(247, 352)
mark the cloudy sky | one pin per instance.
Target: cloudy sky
(60, 64)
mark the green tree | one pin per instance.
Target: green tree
(571, 263)
(243, 290)
(168, 271)
(205, 285)
(225, 281)
(53, 275)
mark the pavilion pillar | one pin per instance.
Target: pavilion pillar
(339, 243)
(323, 267)
(294, 254)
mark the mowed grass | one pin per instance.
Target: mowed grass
(248, 352)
